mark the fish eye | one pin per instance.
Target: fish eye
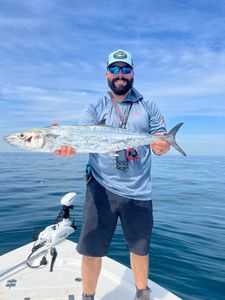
(21, 136)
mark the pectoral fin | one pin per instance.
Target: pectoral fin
(51, 136)
(113, 154)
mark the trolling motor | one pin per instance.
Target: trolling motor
(48, 238)
(54, 234)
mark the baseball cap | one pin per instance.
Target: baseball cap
(120, 55)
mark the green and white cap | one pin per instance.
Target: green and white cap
(120, 55)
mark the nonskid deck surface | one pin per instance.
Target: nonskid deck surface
(65, 283)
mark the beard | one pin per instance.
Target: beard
(122, 90)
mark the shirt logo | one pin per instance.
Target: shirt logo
(136, 113)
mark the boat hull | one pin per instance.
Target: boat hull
(19, 282)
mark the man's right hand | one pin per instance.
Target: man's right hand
(65, 151)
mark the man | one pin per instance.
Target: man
(119, 187)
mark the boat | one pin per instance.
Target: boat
(50, 269)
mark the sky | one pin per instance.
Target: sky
(53, 57)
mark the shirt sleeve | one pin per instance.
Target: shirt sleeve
(156, 120)
(89, 116)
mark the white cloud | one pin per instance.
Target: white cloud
(53, 56)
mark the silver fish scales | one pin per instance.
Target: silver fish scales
(87, 138)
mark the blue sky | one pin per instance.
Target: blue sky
(53, 59)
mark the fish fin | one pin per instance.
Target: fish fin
(51, 135)
(102, 122)
(113, 154)
(171, 135)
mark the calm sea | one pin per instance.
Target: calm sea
(188, 242)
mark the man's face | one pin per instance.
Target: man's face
(120, 83)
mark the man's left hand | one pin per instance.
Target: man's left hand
(160, 147)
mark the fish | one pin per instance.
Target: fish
(88, 138)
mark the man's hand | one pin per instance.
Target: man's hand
(65, 151)
(160, 147)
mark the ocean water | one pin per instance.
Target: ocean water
(188, 242)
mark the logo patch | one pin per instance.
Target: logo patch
(136, 113)
(120, 55)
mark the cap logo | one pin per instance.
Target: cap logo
(120, 55)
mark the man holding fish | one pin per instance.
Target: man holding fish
(119, 131)
(119, 186)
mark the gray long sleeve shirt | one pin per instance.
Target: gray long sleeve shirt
(135, 181)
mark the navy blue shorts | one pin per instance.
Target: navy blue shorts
(101, 212)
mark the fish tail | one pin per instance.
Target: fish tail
(171, 138)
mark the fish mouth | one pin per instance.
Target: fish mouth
(6, 138)
(10, 140)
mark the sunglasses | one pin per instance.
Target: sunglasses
(116, 70)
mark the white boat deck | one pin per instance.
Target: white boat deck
(64, 283)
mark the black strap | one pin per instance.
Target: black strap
(54, 255)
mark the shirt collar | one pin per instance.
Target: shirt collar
(132, 96)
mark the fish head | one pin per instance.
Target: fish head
(26, 140)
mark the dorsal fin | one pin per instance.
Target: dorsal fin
(102, 122)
